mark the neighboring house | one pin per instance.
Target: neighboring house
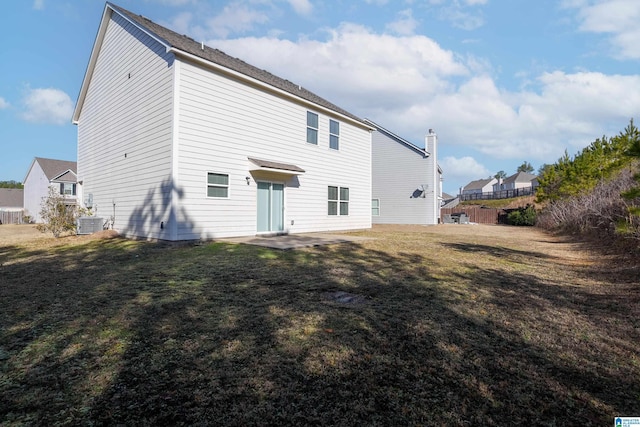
(479, 186)
(406, 179)
(11, 205)
(516, 181)
(179, 141)
(46, 173)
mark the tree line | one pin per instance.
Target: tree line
(11, 184)
(596, 191)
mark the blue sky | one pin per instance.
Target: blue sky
(500, 81)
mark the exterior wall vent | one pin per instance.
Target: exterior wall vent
(89, 225)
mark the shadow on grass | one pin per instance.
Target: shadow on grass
(135, 333)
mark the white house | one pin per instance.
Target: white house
(478, 187)
(179, 141)
(43, 174)
(407, 181)
(516, 181)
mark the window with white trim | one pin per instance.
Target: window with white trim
(338, 200)
(217, 185)
(334, 134)
(67, 189)
(375, 207)
(312, 128)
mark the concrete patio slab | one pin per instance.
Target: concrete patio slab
(296, 241)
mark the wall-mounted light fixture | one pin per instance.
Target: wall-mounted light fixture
(248, 178)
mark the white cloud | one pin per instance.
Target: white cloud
(51, 106)
(181, 23)
(235, 18)
(404, 25)
(355, 64)
(462, 19)
(463, 170)
(302, 7)
(409, 84)
(618, 18)
(3, 103)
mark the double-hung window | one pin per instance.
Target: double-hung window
(334, 134)
(67, 189)
(375, 207)
(338, 201)
(312, 128)
(217, 185)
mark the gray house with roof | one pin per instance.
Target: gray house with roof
(44, 174)
(516, 181)
(179, 141)
(407, 181)
(478, 186)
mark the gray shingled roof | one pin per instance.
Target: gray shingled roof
(190, 46)
(53, 168)
(519, 177)
(477, 184)
(11, 197)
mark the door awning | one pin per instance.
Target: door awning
(278, 167)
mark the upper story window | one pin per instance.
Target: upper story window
(334, 134)
(312, 128)
(217, 185)
(67, 189)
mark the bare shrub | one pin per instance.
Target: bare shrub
(58, 214)
(601, 212)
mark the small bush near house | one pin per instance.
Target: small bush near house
(522, 216)
(57, 215)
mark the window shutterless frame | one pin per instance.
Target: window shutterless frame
(312, 128)
(217, 185)
(334, 134)
(337, 200)
(375, 207)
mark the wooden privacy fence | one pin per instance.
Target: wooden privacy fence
(11, 217)
(479, 215)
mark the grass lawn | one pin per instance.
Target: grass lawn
(446, 325)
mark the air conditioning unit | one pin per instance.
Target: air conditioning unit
(89, 224)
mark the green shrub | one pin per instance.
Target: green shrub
(522, 216)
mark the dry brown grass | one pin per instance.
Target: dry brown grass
(446, 325)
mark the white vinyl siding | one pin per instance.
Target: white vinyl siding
(241, 121)
(153, 125)
(124, 132)
(399, 173)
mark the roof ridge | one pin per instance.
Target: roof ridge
(216, 56)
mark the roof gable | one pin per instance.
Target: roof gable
(478, 184)
(397, 138)
(186, 47)
(519, 177)
(53, 168)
